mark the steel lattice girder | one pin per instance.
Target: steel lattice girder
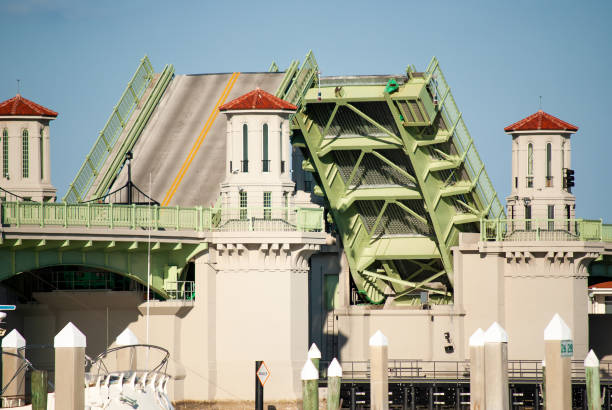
(394, 179)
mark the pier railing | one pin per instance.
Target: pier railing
(111, 216)
(545, 230)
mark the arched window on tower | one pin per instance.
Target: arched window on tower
(5, 153)
(549, 165)
(245, 148)
(265, 162)
(530, 165)
(25, 154)
(42, 158)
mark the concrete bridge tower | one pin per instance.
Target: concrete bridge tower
(25, 169)
(541, 156)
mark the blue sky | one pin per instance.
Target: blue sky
(76, 57)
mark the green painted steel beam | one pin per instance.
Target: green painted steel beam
(125, 258)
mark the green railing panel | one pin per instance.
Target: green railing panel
(93, 215)
(464, 142)
(110, 132)
(134, 132)
(302, 80)
(544, 230)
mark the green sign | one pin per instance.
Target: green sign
(567, 348)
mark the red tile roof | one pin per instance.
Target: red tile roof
(541, 121)
(23, 107)
(257, 99)
(603, 285)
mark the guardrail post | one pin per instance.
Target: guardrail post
(133, 216)
(498, 236)
(11, 363)
(601, 230)
(65, 214)
(156, 217)
(112, 216)
(88, 214)
(200, 223)
(379, 376)
(42, 214)
(178, 214)
(310, 386)
(558, 349)
(591, 369)
(18, 209)
(70, 346)
(477, 370)
(496, 368)
(334, 382)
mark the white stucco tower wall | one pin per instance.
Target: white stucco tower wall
(25, 161)
(541, 152)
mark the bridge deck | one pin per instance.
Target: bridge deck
(173, 133)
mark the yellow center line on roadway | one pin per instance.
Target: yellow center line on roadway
(199, 140)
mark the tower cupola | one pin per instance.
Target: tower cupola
(25, 167)
(258, 152)
(541, 164)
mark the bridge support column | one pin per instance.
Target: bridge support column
(70, 346)
(11, 363)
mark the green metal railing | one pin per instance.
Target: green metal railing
(545, 230)
(302, 81)
(181, 290)
(110, 133)
(463, 141)
(92, 215)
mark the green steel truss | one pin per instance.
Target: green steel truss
(401, 176)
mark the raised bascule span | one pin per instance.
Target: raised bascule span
(401, 175)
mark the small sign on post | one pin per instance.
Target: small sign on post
(262, 374)
(567, 348)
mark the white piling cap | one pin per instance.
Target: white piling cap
(543, 363)
(70, 336)
(334, 369)
(495, 334)
(126, 338)
(2, 316)
(477, 338)
(557, 329)
(309, 372)
(591, 359)
(13, 339)
(378, 339)
(313, 352)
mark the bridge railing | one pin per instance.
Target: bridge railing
(93, 215)
(463, 141)
(112, 130)
(545, 230)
